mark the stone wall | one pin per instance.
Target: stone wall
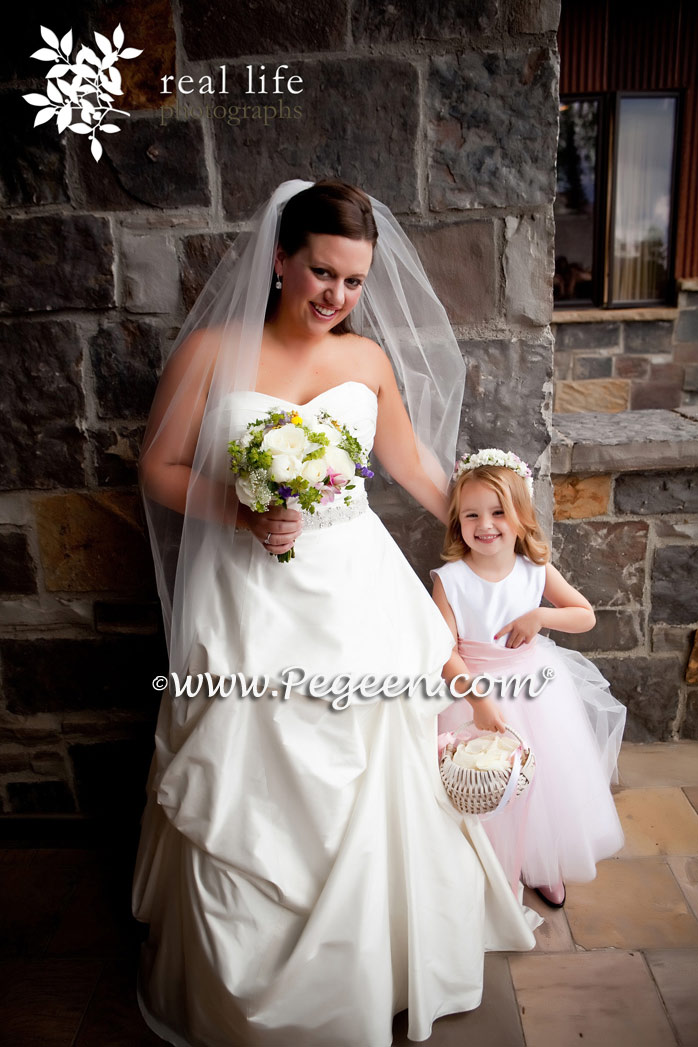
(626, 534)
(629, 359)
(446, 111)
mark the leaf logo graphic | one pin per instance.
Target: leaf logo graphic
(91, 91)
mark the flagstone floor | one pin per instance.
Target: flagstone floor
(617, 967)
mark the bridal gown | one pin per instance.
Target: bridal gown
(302, 872)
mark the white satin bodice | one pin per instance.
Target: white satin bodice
(481, 608)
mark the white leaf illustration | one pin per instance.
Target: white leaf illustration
(49, 36)
(86, 54)
(45, 54)
(103, 44)
(112, 88)
(53, 92)
(43, 115)
(64, 118)
(67, 89)
(93, 74)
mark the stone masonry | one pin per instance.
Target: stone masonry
(446, 111)
(634, 359)
(626, 535)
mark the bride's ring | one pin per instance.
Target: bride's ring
(266, 540)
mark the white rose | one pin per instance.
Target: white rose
(285, 467)
(332, 434)
(287, 439)
(243, 490)
(315, 470)
(340, 462)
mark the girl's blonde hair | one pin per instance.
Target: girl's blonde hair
(512, 492)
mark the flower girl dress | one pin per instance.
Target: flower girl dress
(566, 821)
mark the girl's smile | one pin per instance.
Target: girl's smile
(484, 526)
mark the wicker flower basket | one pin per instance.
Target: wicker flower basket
(482, 792)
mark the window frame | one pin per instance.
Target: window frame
(606, 187)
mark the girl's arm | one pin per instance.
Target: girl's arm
(395, 444)
(485, 713)
(572, 612)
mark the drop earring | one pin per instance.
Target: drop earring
(277, 285)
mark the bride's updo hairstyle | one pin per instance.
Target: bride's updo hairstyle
(331, 207)
(512, 491)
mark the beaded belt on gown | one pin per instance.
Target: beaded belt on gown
(334, 513)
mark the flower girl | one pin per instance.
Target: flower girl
(497, 572)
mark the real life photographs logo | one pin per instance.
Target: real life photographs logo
(80, 93)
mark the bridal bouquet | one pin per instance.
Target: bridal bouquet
(286, 461)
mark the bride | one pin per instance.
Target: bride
(302, 872)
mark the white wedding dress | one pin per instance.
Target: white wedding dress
(302, 871)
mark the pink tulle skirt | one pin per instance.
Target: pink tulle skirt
(566, 821)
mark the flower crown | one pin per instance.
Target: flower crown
(493, 456)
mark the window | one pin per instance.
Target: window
(614, 204)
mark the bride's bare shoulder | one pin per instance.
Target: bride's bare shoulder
(371, 359)
(364, 349)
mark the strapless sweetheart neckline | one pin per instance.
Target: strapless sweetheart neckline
(292, 403)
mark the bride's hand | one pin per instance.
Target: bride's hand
(276, 530)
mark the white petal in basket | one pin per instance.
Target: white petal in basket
(488, 752)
